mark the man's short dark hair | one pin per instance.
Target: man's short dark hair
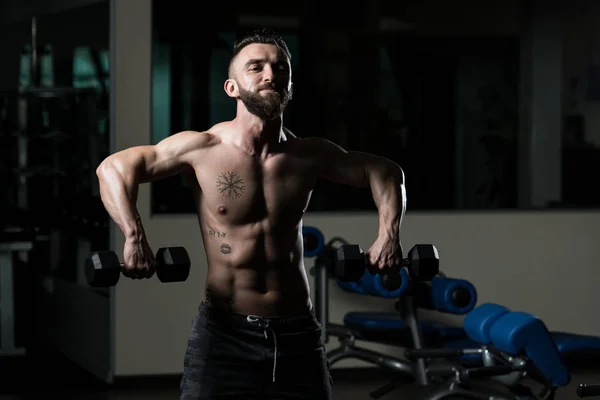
(264, 36)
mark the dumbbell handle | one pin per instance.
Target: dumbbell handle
(391, 270)
(122, 265)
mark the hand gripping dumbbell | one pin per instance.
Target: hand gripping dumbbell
(103, 268)
(422, 264)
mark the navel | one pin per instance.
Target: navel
(222, 210)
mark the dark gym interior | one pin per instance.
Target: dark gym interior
(490, 109)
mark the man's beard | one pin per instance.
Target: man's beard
(268, 106)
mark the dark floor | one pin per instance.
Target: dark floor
(45, 375)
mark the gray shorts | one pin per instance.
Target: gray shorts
(233, 356)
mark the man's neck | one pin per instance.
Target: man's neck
(255, 135)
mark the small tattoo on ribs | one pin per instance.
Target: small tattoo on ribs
(213, 233)
(231, 185)
(225, 248)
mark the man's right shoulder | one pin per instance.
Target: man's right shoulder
(198, 139)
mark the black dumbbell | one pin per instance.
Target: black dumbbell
(351, 262)
(103, 268)
(422, 263)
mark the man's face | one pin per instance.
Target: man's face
(263, 74)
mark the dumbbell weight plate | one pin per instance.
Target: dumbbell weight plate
(424, 262)
(173, 264)
(350, 263)
(102, 268)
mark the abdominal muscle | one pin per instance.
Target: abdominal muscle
(251, 272)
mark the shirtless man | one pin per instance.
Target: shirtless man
(256, 335)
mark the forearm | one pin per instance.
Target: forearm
(389, 194)
(118, 191)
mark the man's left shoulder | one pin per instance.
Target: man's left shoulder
(298, 146)
(304, 141)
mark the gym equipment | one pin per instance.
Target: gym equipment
(512, 344)
(585, 390)
(386, 286)
(383, 327)
(504, 357)
(103, 268)
(350, 263)
(389, 328)
(56, 157)
(422, 263)
(403, 329)
(53, 138)
(519, 333)
(313, 241)
(454, 296)
(410, 331)
(10, 243)
(448, 295)
(573, 348)
(21, 232)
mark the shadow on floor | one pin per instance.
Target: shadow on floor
(46, 374)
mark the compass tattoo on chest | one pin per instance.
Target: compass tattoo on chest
(231, 185)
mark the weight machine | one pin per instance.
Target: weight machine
(52, 141)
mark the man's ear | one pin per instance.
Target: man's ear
(231, 88)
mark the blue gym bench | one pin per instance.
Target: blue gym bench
(494, 342)
(511, 345)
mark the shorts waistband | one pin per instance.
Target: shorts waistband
(284, 320)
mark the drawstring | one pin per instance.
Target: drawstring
(264, 323)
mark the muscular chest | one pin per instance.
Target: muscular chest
(239, 189)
